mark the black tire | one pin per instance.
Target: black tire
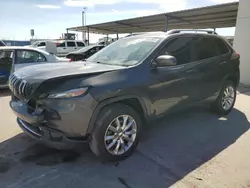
(105, 117)
(217, 105)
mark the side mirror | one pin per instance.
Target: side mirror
(165, 60)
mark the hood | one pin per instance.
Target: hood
(55, 70)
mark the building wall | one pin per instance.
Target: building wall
(242, 40)
(16, 43)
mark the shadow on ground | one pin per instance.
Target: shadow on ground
(5, 92)
(169, 150)
(244, 90)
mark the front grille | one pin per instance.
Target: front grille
(21, 88)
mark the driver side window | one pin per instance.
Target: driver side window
(180, 48)
(29, 56)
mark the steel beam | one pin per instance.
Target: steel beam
(88, 34)
(166, 23)
(117, 31)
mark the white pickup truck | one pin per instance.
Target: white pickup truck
(66, 46)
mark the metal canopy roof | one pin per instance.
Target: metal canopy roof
(217, 16)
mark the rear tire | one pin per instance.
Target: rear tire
(226, 98)
(116, 134)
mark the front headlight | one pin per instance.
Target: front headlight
(68, 94)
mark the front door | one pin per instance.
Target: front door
(6, 60)
(27, 58)
(61, 48)
(174, 87)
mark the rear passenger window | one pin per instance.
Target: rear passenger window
(204, 48)
(180, 48)
(80, 44)
(221, 47)
(71, 44)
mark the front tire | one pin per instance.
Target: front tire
(117, 132)
(226, 99)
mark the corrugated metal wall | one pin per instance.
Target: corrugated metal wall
(16, 43)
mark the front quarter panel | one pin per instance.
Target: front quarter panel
(119, 84)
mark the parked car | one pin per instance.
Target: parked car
(84, 52)
(66, 46)
(13, 58)
(136, 79)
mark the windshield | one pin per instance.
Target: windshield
(34, 44)
(84, 49)
(126, 52)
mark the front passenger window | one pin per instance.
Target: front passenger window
(180, 48)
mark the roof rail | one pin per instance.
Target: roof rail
(193, 30)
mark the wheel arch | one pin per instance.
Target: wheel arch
(133, 101)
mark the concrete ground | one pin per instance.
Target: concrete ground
(192, 149)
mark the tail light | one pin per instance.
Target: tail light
(238, 55)
(70, 60)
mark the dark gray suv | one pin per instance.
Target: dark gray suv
(107, 99)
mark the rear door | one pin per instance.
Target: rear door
(27, 58)
(6, 60)
(211, 55)
(71, 46)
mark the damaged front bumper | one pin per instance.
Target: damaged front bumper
(34, 124)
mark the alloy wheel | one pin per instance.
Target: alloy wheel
(228, 97)
(120, 135)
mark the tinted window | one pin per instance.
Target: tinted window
(42, 44)
(5, 57)
(204, 48)
(180, 48)
(1, 43)
(80, 44)
(71, 44)
(29, 56)
(221, 47)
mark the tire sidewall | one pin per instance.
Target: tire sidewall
(105, 117)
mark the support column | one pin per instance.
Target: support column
(106, 41)
(67, 34)
(117, 32)
(88, 34)
(166, 23)
(242, 40)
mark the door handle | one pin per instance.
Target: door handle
(64, 48)
(223, 62)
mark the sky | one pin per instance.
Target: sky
(50, 18)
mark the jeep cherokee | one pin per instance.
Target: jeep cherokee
(107, 99)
